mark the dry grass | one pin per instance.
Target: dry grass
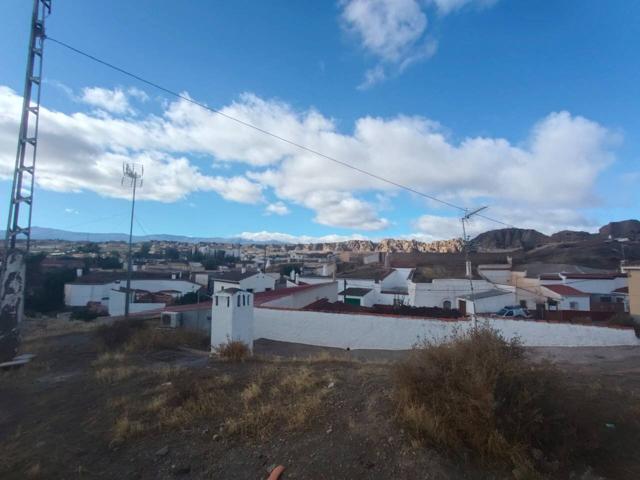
(153, 339)
(233, 351)
(275, 398)
(114, 336)
(117, 373)
(479, 394)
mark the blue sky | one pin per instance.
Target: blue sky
(528, 107)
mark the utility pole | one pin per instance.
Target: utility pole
(13, 272)
(467, 262)
(131, 174)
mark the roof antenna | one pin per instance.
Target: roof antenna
(469, 271)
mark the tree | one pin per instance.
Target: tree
(172, 253)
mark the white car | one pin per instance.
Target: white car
(515, 311)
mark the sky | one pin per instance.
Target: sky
(528, 108)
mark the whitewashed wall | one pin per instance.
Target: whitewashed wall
(398, 333)
(434, 294)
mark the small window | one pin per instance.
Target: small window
(248, 299)
(244, 300)
(573, 306)
(446, 305)
(228, 301)
(239, 299)
(216, 300)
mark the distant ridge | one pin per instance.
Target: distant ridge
(43, 233)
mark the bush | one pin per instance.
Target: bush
(478, 393)
(151, 340)
(118, 333)
(84, 314)
(233, 350)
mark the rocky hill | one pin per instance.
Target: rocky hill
(625, 229)
(387, 245)
(506, 239)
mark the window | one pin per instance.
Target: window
(573, 306)
(244, 300)
(228, 301)
(216, 300)
(239, 299)
(446, 305)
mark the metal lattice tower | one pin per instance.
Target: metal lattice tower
(21, 202)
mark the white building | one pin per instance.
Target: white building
(232, 317)
(250, 280)
(107, 289)
(565, 297)
(490, 301)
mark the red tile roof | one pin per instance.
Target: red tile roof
(621, 290)
(264, 297)
(566, 290)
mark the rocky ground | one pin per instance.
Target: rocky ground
(76, 412)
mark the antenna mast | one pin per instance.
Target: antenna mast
(132, 176)
(12, 285)
(467, 262)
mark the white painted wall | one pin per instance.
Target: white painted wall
(259, 282)
(489, 304)
(117, 300)
(230, 321)
(584, 303)
(398, 333)
(78, 295)
(435, 293)
(502, 276)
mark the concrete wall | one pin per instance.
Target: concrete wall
(398, 333)
(230, 321)
(634, 292)
(78, 295)
(197, 320)
(117, 300)
(583, 303)
(489, 304)
(435, 293)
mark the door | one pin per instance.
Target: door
(462, 306)
(352, 301)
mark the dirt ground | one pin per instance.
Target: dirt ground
(74, 413)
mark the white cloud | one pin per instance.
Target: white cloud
(265, 236)
(113, 101)
(395, 32)
(86, 152)
(391, 30)
(278, 208)
(448, 6)
(533, 182)
(71, 211)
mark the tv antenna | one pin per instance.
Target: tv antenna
(469, 270)
(131, 177)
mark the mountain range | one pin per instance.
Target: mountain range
(501, 240)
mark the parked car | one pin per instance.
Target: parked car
(515, 311)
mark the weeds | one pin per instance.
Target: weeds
(115, 335)
(478, 393)
(151, 340)
(233, 351)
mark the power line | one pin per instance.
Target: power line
(266, 132)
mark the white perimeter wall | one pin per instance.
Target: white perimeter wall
(78, 295)
(398, 333)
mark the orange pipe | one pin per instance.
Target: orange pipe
(276, 472)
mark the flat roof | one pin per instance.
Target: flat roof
(355, 292)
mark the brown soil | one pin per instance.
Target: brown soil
(59, 420)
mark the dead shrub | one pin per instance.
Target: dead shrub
(155, 339)
(478, 393)
(233, 351)
(113, 336)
